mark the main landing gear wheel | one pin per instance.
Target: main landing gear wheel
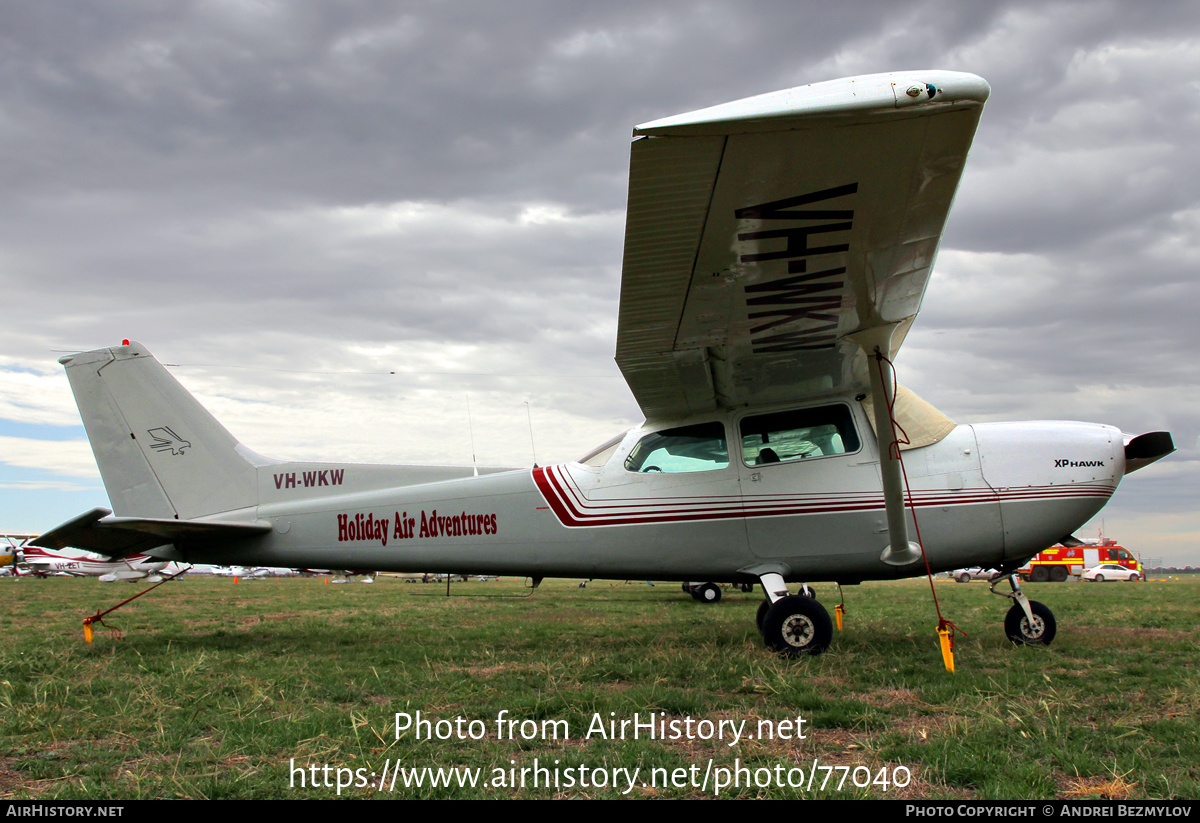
(763, 607)
(796, 625)
(708, 593)
(1023, 633)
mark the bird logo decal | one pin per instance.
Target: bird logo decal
(165, 439)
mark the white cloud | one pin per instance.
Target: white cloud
(72, 458)
(31, 397)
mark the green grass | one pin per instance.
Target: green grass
(214, 689)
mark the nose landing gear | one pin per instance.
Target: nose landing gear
(1028, 622)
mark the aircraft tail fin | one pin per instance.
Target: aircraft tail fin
(161, 454)
(33, 553)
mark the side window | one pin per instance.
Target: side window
(781, 437)
(698, 448)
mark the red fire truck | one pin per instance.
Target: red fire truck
(1058, 563)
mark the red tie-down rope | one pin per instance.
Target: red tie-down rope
(88, 622)
(944, 625)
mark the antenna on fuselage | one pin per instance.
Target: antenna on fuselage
(532, 448)
(471, 429)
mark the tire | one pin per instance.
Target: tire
(763, 608)
(797, 625)
(810, 593)
(745, 587)
(964, 578)
(1016, 625)
(1059, 574)
(1040, 574)
(1099, 578)
(709, 593)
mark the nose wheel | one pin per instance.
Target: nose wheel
(1028, 622)
(1024, 631)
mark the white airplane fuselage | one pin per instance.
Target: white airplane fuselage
(983, 495)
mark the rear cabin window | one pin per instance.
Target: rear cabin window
(697, 448)
(783, 437)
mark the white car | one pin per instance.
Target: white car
(1111, 571)
(973, 573)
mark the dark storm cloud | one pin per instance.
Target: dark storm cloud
(321, 102)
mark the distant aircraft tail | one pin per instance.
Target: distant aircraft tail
(161, 454)
(32, 553)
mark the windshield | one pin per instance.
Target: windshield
(697, 448)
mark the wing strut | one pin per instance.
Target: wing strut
(876, 343)
(891, 467)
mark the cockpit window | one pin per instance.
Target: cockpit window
(781, 437)
(697, 448)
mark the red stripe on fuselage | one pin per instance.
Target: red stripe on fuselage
(573, 509)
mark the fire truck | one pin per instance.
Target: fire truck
(1058, 563)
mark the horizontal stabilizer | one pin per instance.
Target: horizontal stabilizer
(1144, 449)
(119, 537)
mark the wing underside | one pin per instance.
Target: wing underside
(762, 233)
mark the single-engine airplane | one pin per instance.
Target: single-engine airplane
(777, 250)
(11, 544)
(90, 564)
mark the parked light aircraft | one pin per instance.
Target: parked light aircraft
(777, 250)
(89, 564)
(11, 544)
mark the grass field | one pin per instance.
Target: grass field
(250, 690)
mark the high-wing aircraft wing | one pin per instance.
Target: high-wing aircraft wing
(761, 234)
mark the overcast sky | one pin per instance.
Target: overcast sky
(343, 222)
